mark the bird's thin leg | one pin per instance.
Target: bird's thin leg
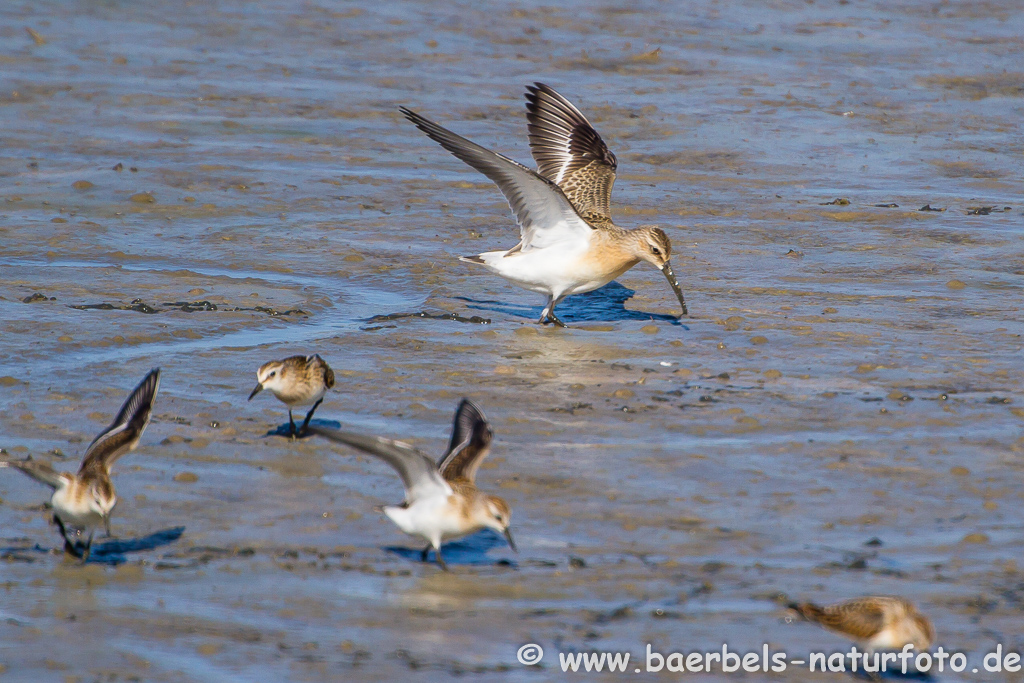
(69, 544)
(86, 549)
(69, 547)
(547, 311)
(440, 560)
(426, 553)
(309, 416)
(548, 314)
(60, 525)
(291, 424)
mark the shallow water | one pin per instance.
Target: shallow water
(849, 372)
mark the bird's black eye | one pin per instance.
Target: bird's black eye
(272, 374)
(497, 517)
(657, 252)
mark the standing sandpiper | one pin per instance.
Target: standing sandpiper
(442, 501)
(568, 242)
(85, 500)
(296, 381)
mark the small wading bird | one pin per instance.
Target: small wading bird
(442, 501)
(569, 243)
(84, 501)
(296, 381)
(873, 623)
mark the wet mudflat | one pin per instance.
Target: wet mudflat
(207, 187)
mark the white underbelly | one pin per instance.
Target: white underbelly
(299, 401)
(886, 639)
(553, 270)
(75, 513)
(432, 519)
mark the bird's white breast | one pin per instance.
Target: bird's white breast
(74, 510)
(300, 397)
(432, 519)
(550, 270)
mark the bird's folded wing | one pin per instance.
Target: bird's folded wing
(328, 373)
(469, 445)
(570, 152)
(124, 432)
(859, 619)
(418, 472)
(545, 215)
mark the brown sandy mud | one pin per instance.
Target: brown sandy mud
(207, 186)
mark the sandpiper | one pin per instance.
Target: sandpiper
(874, 622)
(85, 500)
(442, 501)
(568, 242)
(296, 381)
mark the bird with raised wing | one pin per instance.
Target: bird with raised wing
(568, 242)
(83, 502)
(296, 381)
(873, 622)
(442, 501)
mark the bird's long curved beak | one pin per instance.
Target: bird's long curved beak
(511, 543)
(671, 277)
(106, 525)
(259, 387)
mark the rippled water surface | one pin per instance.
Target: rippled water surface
(207, 186)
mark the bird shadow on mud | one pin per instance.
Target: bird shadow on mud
(22, 553)
(285, 429)
(471, 550)
(606, 304)
(114, 551)
(892, 675)
(111, 551)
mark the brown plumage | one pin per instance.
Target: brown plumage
(570, 152)
(296, 381)
(874, 622)
(470, 443)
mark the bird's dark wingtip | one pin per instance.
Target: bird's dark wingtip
(534, 92)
